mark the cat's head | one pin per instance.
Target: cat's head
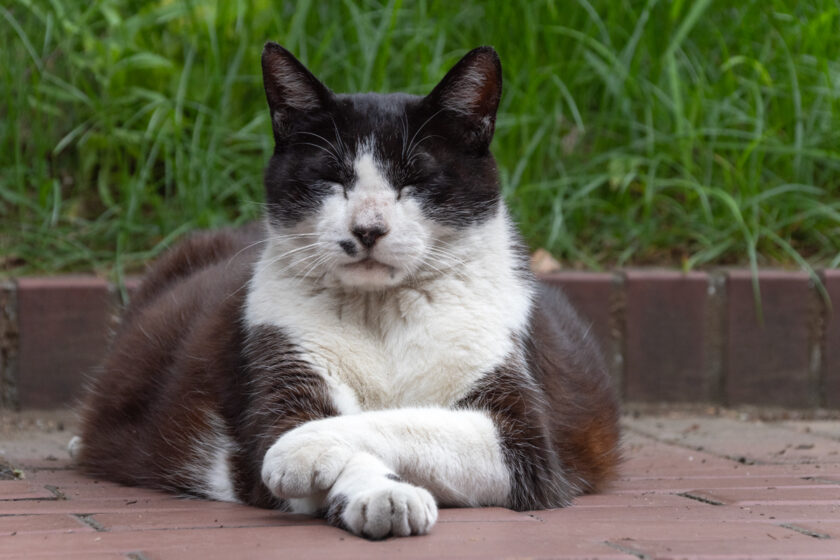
(374, 190)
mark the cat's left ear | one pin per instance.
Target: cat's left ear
(469, 94)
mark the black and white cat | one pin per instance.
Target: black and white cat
(378, 347)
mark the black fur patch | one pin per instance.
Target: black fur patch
(335, 509)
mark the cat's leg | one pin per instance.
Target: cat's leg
(456, 454)
(493, 448)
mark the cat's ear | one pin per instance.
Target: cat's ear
(470, 94)
(290, 88)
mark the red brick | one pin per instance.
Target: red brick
(767, 443)
(791, 547)
(671, 509)
(464, 540)
(623, 501)
(22, 490)
(64, 326)
(489, 514)
(831, 343)
(792, 513)
(241, 516)
(767, 362)
(8, 345)
(665, 342)
(711, 528)
(50, 523)
(686, 483)
(110, 505)
(805, 497)
(646, 456)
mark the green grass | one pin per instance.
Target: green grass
(687, 132)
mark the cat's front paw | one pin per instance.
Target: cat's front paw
(303, 462)
(395, 509)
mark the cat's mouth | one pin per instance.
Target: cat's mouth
(369, 263)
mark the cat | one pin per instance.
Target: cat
(377, 347)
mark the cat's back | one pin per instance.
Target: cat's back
(178, 342)
(197, 259)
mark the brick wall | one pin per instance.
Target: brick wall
(668, 337)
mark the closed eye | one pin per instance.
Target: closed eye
(336, 187)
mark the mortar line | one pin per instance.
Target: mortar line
(629, 550)
(804, 531)
(87, 519)
(55, 491)
(702, 499)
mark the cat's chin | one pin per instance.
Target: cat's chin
(369, 274)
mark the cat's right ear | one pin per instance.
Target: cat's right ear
(290, 88)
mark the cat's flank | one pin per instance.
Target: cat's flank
(376, 348)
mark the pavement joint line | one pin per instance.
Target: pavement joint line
(55, 491)
(628, 550)
(703, 499)
(700, 449)
(804, 531)
(51, 499)
(820, 480)
(87, 519)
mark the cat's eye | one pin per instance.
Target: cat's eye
(335, 187)
(406, 190)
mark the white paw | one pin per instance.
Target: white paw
(74, 447)
(397, 508)
(303, 462)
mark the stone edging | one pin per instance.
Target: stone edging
(668, 336)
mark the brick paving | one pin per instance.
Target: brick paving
(692, 486)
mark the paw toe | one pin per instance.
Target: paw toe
(399, 510)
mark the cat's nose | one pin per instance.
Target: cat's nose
(368, 235)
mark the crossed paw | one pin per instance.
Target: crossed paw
(390, 509)
(374, 504)
(304, 462)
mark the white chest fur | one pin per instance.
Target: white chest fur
(411, 346)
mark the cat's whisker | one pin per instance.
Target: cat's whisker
(411, 142)
(322, 259)
(292, 236)
(242, 250)
(322, 148)
(438, 251)
(334, 150)
(277, 258)
(338, 139)
(411, 155)
(404, 123)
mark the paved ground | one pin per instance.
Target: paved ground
(693, 486)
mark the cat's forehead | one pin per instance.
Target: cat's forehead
(379, 106)
(376, 115)
(375, 123)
